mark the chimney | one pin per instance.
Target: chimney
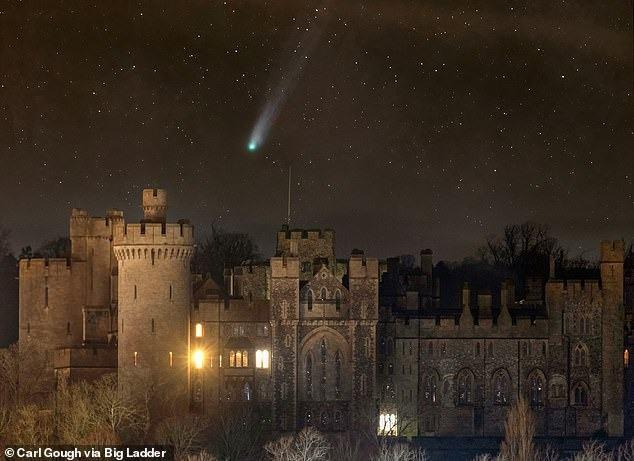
(466, 295)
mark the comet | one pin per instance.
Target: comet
(280, 92)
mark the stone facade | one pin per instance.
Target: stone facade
(309, 339)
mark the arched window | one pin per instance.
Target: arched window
(626, 358)
(245, 359)
(324, 419)
(338, 300)
(580, 355)
(430, 387)
(323, 358)
(501, 388)
(323, 294)
(232, 359)
(238, 359)
(309, 377)
(247, 391)
(338, 375)
(362, 385)
(580, 394)
(536, 388)
(465, 387)
(309, 299)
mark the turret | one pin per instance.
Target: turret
(154, 302)
(154, 205)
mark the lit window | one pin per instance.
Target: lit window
(136, 358)
(387, 424)
(199, 330)
(199, 359)
(171, 359)
(220, 360)
(261, 359)
(626, 358)
(232, 359)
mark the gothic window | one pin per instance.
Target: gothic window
(580, 355)
(362, 385)
(501, 388)
(431, 386)
(323, 294)
(245, 359)
(323, 353)
(338, 420)
(232, 359)
(247, 391)
(262, 358)
(465, 387)
(309, 299)
(338, 375)
(536, 389)
(287, 340)
(338, 300)
(309, 377)
(580, 395)
(238, 359)
(324, 419)
(626, 358)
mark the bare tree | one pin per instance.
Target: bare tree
(625, 452)
(221, 248)
(400, 452)
(519, 429)
(237, 432)
(308, 445)
(592, 451)
(183, 433)
(31, 425)
(23, 371)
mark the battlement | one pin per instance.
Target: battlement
(154, 234)
(154, 205)
(285, 267)
(612, 251)
(53, 267)
(305, 234)
(361, 267)
(83, 225)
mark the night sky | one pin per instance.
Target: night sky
(408, 124)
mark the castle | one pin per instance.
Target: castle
(309, 339)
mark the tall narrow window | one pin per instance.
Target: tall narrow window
(338, 375)
(245, 359)
(136, 359)
(68, 328)
(171, 291)
(580, 355)
(323, 353)
(580, 395)
(232, 359)
(238, 363)
(338, 300)
(199, 330)
(536, 389)
(309, 377)
(134, 291)
(171, 359)
(626, 358)
(45, 296)
(501, 387)
(309, 299)
(28, 328)
(362, 385)
(431, 386)
(152, 325)
(465, 387)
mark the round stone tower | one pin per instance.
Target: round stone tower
(154, 298)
